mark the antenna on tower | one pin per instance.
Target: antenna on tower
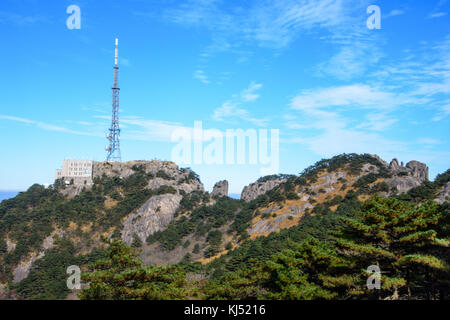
(113, 150)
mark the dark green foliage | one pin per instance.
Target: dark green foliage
(47, 278)
(202, 220)
(137, 242)
(405, 240)
(308, 271)
(379, 187)
(353, 161)
(196, 248)
(122, 276)
(163, 175)
(192, 176)
(442, 178)
(365, 180)
(3, 247)
(172, 236)
(275, 177)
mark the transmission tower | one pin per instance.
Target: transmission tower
(113, 150)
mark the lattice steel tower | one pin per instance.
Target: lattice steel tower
(113, 149)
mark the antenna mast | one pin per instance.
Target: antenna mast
(113, 150)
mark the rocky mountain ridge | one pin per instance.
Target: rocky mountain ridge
(164, 210)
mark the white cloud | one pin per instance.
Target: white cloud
(232, 108)
(18, 19)
(46, 126)
(356, 95)
(394, 13)
(422, 76)
(267, 23)
(437, 15)
(200, 75)
(338, 140)
(428, 141)
(249, 93)
(377, 122)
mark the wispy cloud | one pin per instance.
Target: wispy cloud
(437, 11)
(250, 94)
(232, 108)
(437, 15)
(19, 19)
(422, 76)
(394, 13)
(46, 126)
(275, 25)
(200, 75)
(357, 117)
(355, 96)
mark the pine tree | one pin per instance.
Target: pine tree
(402, 239)
(312, 270)
(122, 276)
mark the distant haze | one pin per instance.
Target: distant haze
(7, 195)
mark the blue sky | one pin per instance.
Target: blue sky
(310, 68)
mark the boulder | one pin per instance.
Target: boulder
(418, 170)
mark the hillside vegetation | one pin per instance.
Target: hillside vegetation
(312, 236)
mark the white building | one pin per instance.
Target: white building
(73, 169)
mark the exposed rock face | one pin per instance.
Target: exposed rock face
(394, 166)
(159, 210)
(444, 195)
(220, 189)
(23, 268)
(268, 226)
(413, 168)
(125, 169)
(10, 245)
(418, 170)
(328, 180)
(252, 191)
(189, 187)
(153, 216)
(407, 177)
(403, 183)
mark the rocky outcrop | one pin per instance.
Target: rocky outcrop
(220, 189)
(24, 267)
(407, 177)
(328, 181)
(126, 169)
(444, 195)
(186, 187)
(153, 216)
(252, 191)
(393, 165)
(165, 173)
(418, 170)
(265, 226)
(403, 183)
(413, 168)
(159, 210)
